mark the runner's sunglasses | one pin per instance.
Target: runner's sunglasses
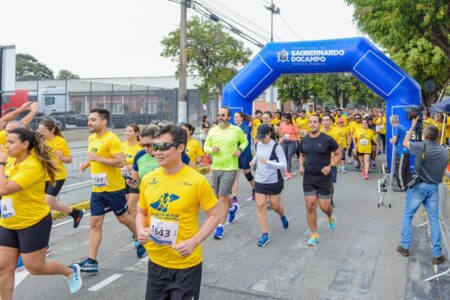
(163, 146)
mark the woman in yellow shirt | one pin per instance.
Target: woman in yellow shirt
(363, 138)
(131, 147)
(193, 147)
(26, 222)
(61, 153)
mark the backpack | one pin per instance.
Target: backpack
(273, 156)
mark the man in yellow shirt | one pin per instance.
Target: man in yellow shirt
(344, 139)
(340, 115)
(167, 220)
(428, 120)
(380, 123)
(353, 127)
(106, 157)
(310, 111)
(257, 120)
(302, 124)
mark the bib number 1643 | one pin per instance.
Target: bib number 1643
(163, 232)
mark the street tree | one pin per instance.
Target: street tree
(29, 68)
(66, 74)
(212, 54)
(299, 88)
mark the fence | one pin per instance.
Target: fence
(69, 102)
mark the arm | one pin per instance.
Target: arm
(301, 161)
(336, 158)
(13, 115)
(117, 160)
(142, 229)
(282, 162)
(207, 147)
(29, 117)
(407, 140)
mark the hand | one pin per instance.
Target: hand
(251, 164)
(3, 154)
(34, 106)
(93, 157)
(301, 170)
(59, 154)
(185, 248)
(215, 149)
(133, 183)
(143, 235)
(263, 160)
(326, 170)
(25, 106)
(237, 153)
(84, 166)
(414, 122)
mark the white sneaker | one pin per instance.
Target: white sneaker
(349, 161)
(343, 170)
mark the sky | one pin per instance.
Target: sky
(112, 38)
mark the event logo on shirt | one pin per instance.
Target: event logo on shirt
(163, 202)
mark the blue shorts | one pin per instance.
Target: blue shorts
(244, 159)
(104, 202)
(334, 174)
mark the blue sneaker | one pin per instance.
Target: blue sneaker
(218, 235)
(285, 222)
(75, 281)
(313, 240)
(19, 264)
(263, 240)
(140, 251)
(88, 265)
(232, 214)
(332, 222)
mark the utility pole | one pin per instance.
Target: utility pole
(182, 92)
(274, 10)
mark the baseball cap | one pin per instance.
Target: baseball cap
(262, 131)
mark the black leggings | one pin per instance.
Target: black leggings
(383, 141)
(289, 148)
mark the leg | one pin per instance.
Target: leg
(132, 204)
(406, 168)
(8, 263)
(234, 190)
(225, 206)
(36, 264)
(57, 205)
(128, 221)
(366, 163)
(284, 146)
(326, 207)
(401, 170)
(248, 175)
(95, 236)
(292, 147)
(431, 204)
(261, 209)
(414, 197)
(275, 204)
(311, 214)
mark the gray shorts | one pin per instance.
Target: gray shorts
(223, 182)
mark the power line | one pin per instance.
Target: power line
(290, 28)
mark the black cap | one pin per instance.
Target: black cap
(262, 131)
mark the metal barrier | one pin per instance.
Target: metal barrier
(75, 178)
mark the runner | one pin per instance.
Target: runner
(244, 160)
(257, 120)
(329, 130)
(169, 203)
(193, 148)
(315, 165)
(276, 120)
(26, 222)
(373, 156)
(339, 115)
(288, 133)
(343, 141)
(108, 191)
(269, 160)
(353, 126)
(130, 147)
(381, 126)
(8, 122)
(364, 138)
(205, 128)
(222, 143)
(61, 154)
(267, 119)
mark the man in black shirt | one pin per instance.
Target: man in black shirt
(315, 165)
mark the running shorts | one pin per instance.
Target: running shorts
(223, 182)
(319, 186)
(103, 202)
(54, 190)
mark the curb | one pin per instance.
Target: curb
(86, 203)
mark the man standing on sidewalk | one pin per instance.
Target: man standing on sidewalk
(106, 157)
(429, 168)
(402, 169)
(167, 220)
(222, 143)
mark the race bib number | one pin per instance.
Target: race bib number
(99, 179)
(7, 208)
(364, 142)
(163, 232)
(286, 136)
(381, 127)
(126, 173)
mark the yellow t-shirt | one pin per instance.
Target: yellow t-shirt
(174, 199)
(130, 152)
(194, 151)
(58, 144)
(28, 204)
(364, 139)
(332, 132)
(255, 125)
(2, 137)
(105, 178)
(310, 113)
(447, 128)
(381, 124)
(428, 121)
(342, 133)
(353, 127)
(336, 118)
(275, 121)
(302, 124)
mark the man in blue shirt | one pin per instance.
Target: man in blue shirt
(402, 165)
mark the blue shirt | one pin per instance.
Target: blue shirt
(400, 132)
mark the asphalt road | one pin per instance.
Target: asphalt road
(357, 261)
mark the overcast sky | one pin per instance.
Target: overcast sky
(112, 38)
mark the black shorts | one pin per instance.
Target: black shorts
(130, 190)
(318, 185)
(53, 190)
(269, 188)
(28, 240)
(104, 202)
(362, 154)
(164, 283)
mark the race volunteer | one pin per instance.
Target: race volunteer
(222, 143)
(108, 191)
(167, 220)
(26, 222)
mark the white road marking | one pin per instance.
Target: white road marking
(105, 282)
(20, 276)
(68, 221)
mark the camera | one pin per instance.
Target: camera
(415, 112)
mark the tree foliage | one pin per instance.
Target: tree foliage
(66, 74)
(416, 35)
(211, 53)
(299, 88)
(29, 68)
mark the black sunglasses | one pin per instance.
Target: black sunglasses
(163, 146)
(148, 145)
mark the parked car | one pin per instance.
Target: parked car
(38, 118)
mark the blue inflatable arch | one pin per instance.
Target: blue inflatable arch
(355, 55)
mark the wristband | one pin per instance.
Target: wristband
(2, 163)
